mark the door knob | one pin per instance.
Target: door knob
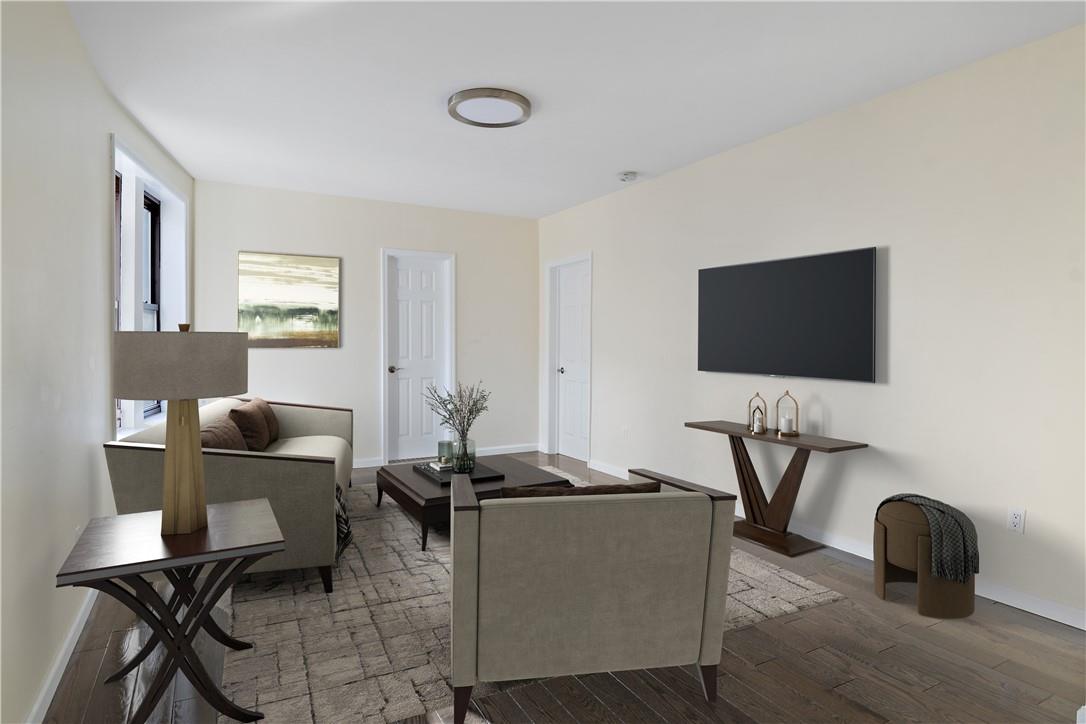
(392, 369)
(561, 370)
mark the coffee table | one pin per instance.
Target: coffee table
(427, 501)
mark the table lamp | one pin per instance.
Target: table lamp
(181, 367)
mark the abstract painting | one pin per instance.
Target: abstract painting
(288, 300)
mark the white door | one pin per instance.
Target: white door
(418, 351)
(574, 287)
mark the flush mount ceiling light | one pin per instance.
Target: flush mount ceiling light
(489, 107)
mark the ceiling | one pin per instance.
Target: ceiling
(349, 98)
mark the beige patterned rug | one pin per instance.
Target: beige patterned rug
(377, 649)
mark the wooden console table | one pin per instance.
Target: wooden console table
(767, 520)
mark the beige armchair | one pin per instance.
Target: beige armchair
(572, 585)
(298, 475)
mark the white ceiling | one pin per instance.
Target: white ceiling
(349, 98)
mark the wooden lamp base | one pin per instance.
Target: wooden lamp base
(184, 504)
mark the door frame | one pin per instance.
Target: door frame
(548, 407)
(386, 255)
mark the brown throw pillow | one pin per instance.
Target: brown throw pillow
(222, 434)
(269, 417)
(549, 492)
(253, 425)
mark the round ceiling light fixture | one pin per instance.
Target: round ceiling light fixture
(490, 107)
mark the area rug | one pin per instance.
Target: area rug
(376, 650)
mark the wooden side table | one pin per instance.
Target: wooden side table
(115, 553)
(767, 520)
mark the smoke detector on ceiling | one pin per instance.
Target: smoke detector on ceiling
(627, 177)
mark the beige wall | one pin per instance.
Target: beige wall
(496, 306)
(57, 225)
(972, 185)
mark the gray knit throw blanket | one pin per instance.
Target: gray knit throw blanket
(954, 552)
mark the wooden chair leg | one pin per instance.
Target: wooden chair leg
(326, 577)
(708, 681)
(461, 698)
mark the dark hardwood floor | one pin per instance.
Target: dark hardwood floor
(861, 659)
(111, 636)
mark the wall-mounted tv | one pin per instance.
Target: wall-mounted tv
(812, 316)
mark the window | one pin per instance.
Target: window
(116, 272)
(152, 278)
(150, 270)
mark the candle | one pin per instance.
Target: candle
(444, 451)
(759, 424)
(787, 424)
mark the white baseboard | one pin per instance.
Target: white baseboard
(992, 591)
(615, 470)
(1028, 602)
(508, 449)
(56, 671)
(863, 548)
(493, 450)
(368, 462)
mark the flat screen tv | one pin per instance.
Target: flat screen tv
(812, 316)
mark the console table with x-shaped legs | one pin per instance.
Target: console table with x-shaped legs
(115, 554)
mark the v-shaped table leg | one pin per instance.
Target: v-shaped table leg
(767, 522)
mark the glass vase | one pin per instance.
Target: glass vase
(463, 455)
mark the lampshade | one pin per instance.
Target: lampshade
(179, 365)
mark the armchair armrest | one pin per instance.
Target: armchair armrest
(463, 494)
(713, 493)
(465, 581)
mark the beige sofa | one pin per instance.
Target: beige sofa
(573, 585)
(297, 474)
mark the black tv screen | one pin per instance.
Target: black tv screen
(812, 316)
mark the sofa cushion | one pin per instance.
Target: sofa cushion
(269, 417)
(553, 492)
(222, 434)
(323, 446)
(253, 425)
(212, 411)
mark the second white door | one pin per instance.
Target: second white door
(573, 283)
(418, 350)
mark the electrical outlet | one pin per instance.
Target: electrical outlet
(1016, 520)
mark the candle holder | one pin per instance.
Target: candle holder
(790, 426)
(444, 452)
(759, 407)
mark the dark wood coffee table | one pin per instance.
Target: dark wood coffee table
(427, 501)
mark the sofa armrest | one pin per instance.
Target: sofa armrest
(465, 582)
(297, 420)
(300, 488)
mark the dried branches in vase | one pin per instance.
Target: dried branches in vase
(458, 411)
